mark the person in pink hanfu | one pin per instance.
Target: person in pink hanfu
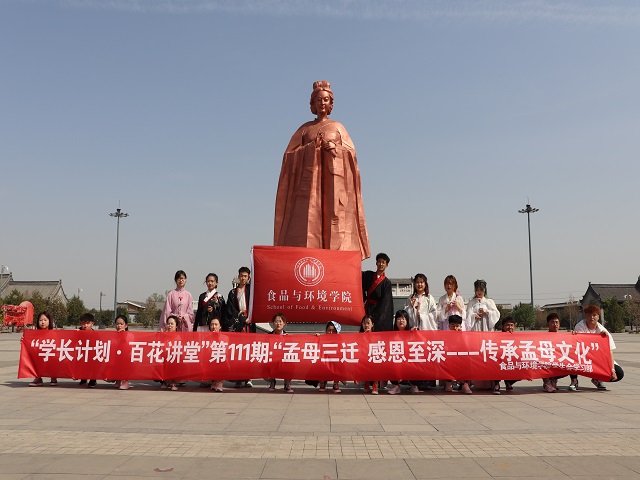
(179, 303)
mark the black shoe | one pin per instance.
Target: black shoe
(82, 382)
(92, 384)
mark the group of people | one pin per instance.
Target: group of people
(421, 312)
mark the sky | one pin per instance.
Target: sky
(461, 112)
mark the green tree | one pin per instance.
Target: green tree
(504, 312)
(14, 298)
(104, 317)
(75, 308)
(157, 297)
(150, 316)
(631, 313)
(39, 303)
(570, 314)
(541, 320)
(524, 315)
(614, 315)
(58, 311)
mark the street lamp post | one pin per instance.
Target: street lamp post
(118, 214)
(529, 210)
(2, 267)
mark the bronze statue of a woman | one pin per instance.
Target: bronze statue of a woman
(319, 200)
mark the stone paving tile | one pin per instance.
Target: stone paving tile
(296, 469)
(85, 464)
(520, 467)
(382, 469)
(226, 468)
(446, 468)
(594, 466)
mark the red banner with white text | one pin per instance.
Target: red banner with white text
(306, 284)
(413, 355)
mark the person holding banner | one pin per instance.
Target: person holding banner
(451, 303)
(332, 328)
(455, 323)
(278, 322)
(45, 322)
(508, 326)
(215, 326)
(179, 303)
(366, 326)
(590, 324)
(402, 325)
(378, 297)
(550, 385)
(482, 313)
(171, 326)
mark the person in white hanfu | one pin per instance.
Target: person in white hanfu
(451, 303)
(421, 306)
(482, 313)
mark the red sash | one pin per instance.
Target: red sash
(373, 286)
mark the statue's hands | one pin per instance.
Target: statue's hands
(329, 146)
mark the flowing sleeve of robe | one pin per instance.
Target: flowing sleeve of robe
(187, 315)
(488, 320)
(428, 313)
(443, 316)
(319, 200)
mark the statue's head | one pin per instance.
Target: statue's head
(320, 86)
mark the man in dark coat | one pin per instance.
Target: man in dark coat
(378, 298)
(237, 319)
(238, 301)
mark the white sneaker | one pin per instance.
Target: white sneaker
(394, 390)
(415, 389)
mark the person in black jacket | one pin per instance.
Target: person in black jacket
(378, 297)
(210, 304)
(237, 318)
(238, 301)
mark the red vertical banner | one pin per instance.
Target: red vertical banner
(306, 284)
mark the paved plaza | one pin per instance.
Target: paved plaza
(71, 432)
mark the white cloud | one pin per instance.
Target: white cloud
(570, 11)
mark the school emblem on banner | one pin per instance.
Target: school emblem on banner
(309, 271)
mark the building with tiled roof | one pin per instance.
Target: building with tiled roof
(597, 293)
(49, 289)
